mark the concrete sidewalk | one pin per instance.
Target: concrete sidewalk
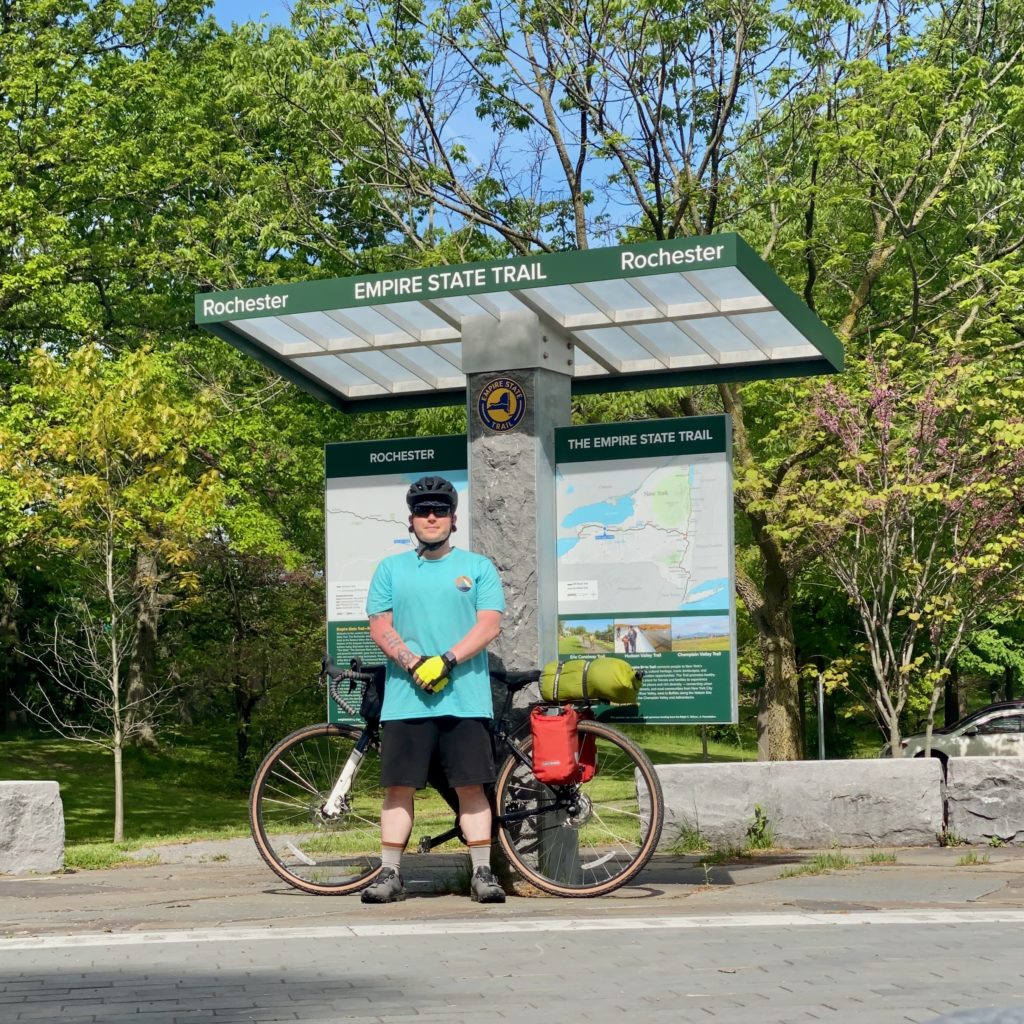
(204, 885)
(210, 936)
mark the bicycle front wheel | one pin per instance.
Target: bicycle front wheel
(318, 850)
(586, 839)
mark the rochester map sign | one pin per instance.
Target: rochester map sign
(367, 520)
(645, 560)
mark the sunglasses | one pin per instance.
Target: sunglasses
(426, 508)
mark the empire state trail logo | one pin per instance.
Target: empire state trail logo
(502, 404)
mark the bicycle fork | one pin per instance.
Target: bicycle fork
(337, 803)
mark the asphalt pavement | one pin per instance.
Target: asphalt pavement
(209, 934)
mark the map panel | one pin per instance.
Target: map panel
(367, 521)
(647, 533)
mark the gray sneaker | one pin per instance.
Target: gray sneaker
(484, 887)
(388, 888)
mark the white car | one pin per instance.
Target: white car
(993, 731)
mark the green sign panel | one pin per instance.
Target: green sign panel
(648, 314)
(367, 520)
(542, 271)
(645, 560)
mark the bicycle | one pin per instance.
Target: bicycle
(315, 803)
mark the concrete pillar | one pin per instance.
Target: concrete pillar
(512, 470)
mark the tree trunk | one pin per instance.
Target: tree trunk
(801, 707)
(245, 704)
(778, 701)
(118, 791)
(13, 680)
(778, 714)
(779, 737)
(147, 610)
(831, 724)
(952, 710)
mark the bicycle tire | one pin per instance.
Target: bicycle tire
(325, 857)
(602, 832)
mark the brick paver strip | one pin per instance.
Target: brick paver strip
(762, 972)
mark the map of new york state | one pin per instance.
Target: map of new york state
(644, 535)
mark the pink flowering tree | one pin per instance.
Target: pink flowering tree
(918, 512)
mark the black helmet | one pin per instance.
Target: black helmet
(432, 488)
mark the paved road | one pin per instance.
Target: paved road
(221, 941)
(880, 967)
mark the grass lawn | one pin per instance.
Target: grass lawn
(680, 744)
(187, 788)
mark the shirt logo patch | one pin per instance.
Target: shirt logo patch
(463, 583)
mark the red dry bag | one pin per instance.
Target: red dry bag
(588, 750)
(556, 744)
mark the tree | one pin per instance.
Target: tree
(887, 197)
(788, 122)
(127, 187)
(85, 657)
(252, 628)
(589, 118)
(96, 452)
(601, 118)
(114, 146)
(918, 514)
(869, 151)
(993, 651)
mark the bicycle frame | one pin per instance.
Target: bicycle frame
(503, 743)
(315, 802)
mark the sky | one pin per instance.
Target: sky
(227, 11)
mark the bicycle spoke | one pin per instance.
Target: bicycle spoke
(313, 851)
(597, 836)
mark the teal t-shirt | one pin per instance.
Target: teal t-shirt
(433, 603)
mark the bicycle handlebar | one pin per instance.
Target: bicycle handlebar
(358, 673)
(368, 673)
(374, 675)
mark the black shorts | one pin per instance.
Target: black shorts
(461, 746)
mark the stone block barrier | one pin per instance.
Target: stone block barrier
(31, 828)
(805, 804)
(985, 799)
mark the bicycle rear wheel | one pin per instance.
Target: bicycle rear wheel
(319, 853)
(587, 839)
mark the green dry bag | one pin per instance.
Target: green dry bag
(612, 680)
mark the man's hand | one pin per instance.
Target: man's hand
(432, 674)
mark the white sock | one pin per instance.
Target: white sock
(480, 855)
(391, 856)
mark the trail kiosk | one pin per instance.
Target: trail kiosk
(610, 538)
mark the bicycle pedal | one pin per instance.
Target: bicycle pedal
(424, 845)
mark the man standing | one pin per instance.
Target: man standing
(433, 611)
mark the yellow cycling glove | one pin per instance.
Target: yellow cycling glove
(432, 674)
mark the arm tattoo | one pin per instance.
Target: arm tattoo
(394, 647)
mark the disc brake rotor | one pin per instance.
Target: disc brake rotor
(579, 811)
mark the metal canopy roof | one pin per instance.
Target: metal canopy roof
(657, 314)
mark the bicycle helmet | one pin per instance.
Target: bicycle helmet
(432, 488)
